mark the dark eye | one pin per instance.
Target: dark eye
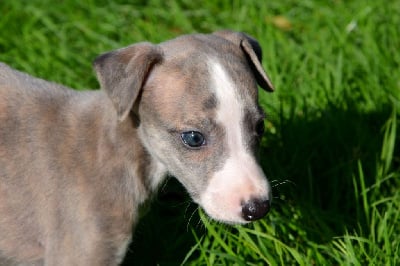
(260, 128)
(193, 139)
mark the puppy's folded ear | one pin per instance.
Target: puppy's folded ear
(253, 52)
(123, 72)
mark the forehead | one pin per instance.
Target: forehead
(186, 81)
(193, 55)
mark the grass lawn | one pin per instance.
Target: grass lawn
(330, 146)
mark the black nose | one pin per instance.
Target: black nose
(255, 209)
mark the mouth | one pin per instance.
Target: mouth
(231, 210)
(238, 193)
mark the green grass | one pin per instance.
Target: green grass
(331, 148)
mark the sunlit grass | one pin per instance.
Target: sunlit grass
(331, 145)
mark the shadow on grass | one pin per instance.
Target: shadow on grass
(317, 153)
(164, 234)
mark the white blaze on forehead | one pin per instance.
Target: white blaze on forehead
(229, 112)
(240, 179)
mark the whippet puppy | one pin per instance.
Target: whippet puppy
(76, 166)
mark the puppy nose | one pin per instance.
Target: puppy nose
(255, 209)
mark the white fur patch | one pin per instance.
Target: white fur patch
(241, 178)
(122, 250)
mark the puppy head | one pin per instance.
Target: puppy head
(196, 99)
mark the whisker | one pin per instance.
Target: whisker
(277, 183)
(165, 183)
(191, 217)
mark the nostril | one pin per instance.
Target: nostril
(255, 209)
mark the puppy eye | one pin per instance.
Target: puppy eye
(260, 128)
(193, 139)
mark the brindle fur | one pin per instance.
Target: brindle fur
(76, 166)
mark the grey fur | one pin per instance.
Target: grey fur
(76, 166)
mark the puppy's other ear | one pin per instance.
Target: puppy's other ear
(253, 52)
(123, 72)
